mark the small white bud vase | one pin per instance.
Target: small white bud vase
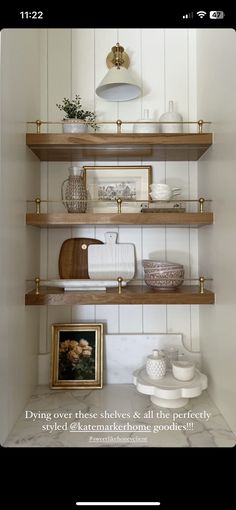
(142, 127)
(155, 365)
(171, 116)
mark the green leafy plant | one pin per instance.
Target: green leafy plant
(73, 110)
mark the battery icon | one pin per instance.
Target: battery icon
(217, 14)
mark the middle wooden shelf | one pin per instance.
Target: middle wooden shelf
(130, 295)
(63, 220)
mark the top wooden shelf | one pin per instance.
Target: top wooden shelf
(122, 146)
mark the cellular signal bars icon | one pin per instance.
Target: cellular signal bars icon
(188, 16)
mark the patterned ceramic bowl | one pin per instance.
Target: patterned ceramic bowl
(163, 276)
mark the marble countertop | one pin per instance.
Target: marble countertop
(116, 416)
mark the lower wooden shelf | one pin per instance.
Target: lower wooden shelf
(73, 219)
(130, 295)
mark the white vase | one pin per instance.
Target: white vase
(155, 365)
(171, 116)
(75, 126)
(143, 127)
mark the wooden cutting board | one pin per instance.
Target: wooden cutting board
(73, 258)
(111, 260)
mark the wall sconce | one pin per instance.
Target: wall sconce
(119, 83)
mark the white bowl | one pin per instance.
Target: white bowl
(183, 370)
(159, 186)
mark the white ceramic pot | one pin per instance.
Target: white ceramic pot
(155, 365)
(171, 116)
(183, 370)
(75, 126)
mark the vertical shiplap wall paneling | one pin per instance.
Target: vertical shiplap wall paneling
(106, 111)
(82, 83)
(153, 84)
(59, 86)
(103, 42)
(83, 66)
(165, 63)
(152, 62)
(176, 83)
(178, 174)
(193, 184)
(43, 335)
(130, 39)
(131, 319)
(153, 99)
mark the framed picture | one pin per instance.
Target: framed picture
(77, 356)
(105, 184)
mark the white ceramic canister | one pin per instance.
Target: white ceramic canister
(171, 116)
(183, 370)
(145, 125)
(156, 365)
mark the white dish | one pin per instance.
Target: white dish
(78, 285)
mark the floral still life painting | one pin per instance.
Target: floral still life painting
(77, 356)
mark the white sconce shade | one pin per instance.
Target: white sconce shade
(119, 83)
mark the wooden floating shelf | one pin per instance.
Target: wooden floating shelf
(73, 219)
(125, 146)
(131, 295)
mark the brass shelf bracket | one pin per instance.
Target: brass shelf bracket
(119, 124)
(37, 284)
(201, 284)
(201, 204)
(119, 203)
(37, 205)
(119, 280)
(200, 126)
(38, 126)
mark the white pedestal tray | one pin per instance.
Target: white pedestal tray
(168, 391)
(83, 285)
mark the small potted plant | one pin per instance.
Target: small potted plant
(76, 120)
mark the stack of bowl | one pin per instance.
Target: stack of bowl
(163, 275)
(163, 191)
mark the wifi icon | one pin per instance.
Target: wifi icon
(201, 14)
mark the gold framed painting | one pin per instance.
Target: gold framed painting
(105, 184)
(77, 356)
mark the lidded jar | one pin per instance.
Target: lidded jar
(73, 191)
(156, 365)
